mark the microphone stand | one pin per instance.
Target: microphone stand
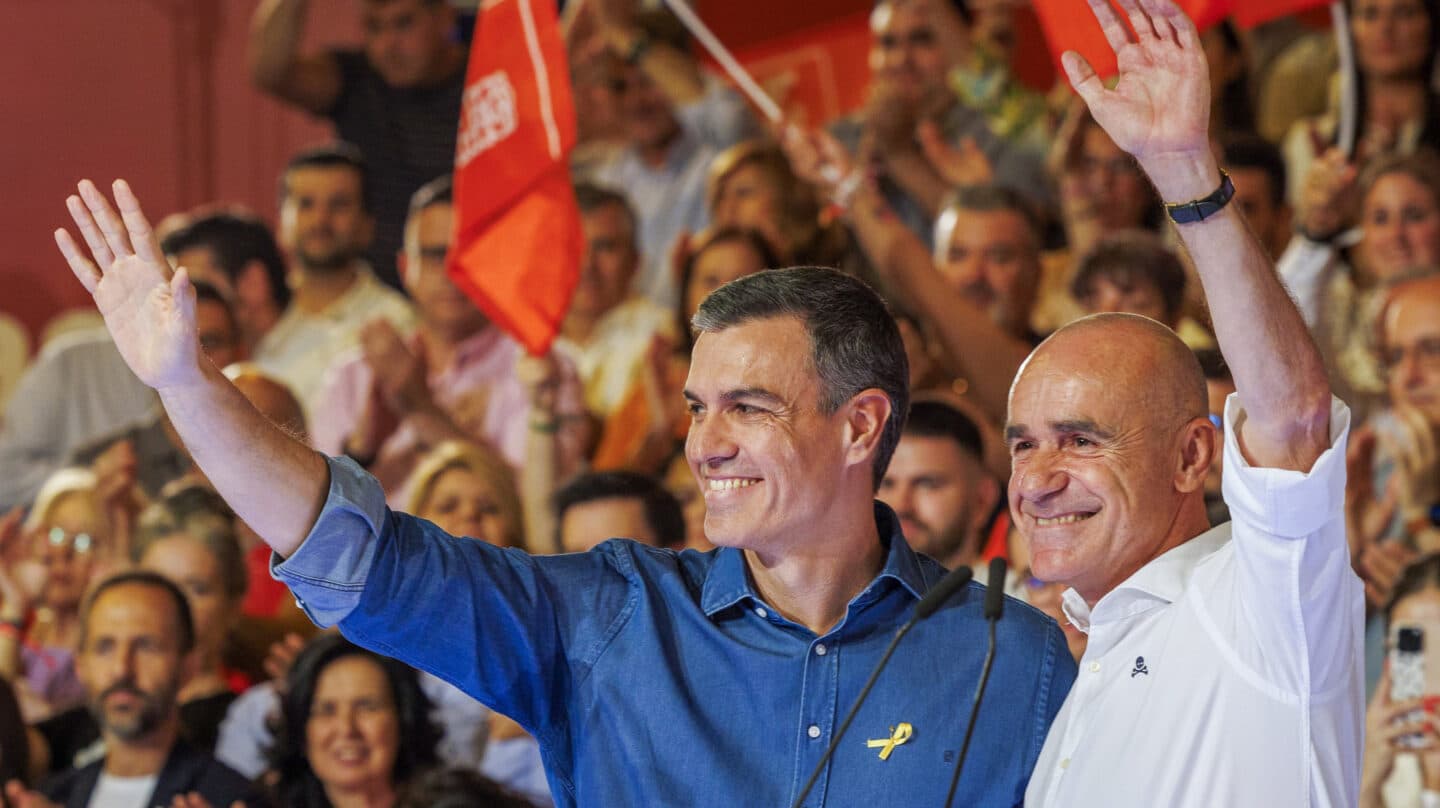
(994, 604)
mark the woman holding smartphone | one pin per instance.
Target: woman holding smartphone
(1402, 730)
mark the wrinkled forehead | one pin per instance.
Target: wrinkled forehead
(772, 353)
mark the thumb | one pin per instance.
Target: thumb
(1082, 77)
(184, 293)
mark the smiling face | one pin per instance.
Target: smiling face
(352, 736)
(1400, 221)
(462, 503)
(1109, 449)
(993, 259)
(768, 460)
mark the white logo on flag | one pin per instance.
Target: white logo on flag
(487, 116)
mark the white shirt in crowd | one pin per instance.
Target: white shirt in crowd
(123, 792)
(1228, 671)
(302, 345)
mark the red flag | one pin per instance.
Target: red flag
(518, 242)
(1069, 24)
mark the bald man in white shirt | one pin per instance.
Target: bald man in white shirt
(1224, 666)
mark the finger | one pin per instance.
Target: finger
(1166, 14)
(83, 268)
(106, 219)
(142, 236)
(184, 294)
(89, 231)
(1140, 21)
(1111, 25)
(1082, 77)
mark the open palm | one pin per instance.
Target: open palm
(1161, 103)
(149, 311)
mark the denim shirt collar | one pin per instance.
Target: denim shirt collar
(728, 582)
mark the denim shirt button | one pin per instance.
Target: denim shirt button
(820, 649)
(760, 611)
(814, 731)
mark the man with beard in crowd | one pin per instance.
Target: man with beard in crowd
(135, 655)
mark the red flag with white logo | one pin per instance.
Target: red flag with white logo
(518, 241)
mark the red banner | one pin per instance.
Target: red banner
(1070, 25)
(518, 241)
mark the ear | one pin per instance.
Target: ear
(865, 417)
(984, 495)
(1199, 445)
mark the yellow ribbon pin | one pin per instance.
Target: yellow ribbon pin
(898, 735)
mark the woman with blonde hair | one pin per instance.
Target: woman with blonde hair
(752, 185)
(45, 567)
(467, 490)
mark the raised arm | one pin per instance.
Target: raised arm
(1159, 112)
(984, 353)
(272, 481)
(311, 82)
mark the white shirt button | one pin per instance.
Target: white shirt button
(760, 610)
(814, 731)
(1065, 764)
(1094, 667)
(821, 650)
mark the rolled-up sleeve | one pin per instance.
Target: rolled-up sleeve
(328, 572)
(1298, 595)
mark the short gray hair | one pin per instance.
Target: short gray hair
(854, 342)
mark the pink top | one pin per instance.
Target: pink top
(478, 390)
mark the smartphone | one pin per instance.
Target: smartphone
(1407, 678)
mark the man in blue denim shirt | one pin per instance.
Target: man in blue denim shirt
(651, 678)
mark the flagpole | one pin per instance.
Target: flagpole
(721, 54)
(1345, 49)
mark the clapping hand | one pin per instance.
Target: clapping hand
(149, 310)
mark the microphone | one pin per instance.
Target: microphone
(994, 607)
(926, 606)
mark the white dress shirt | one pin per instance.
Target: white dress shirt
(1228, 671)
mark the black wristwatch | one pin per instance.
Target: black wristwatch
(1198, 210)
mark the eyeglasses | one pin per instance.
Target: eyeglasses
(81, 542)
(1425, 352)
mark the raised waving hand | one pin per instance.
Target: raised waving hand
(148, 309)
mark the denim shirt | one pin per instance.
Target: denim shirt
(656, 678)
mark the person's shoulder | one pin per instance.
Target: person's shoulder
(195, 769)
(63, 787)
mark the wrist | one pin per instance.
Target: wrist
(1182, 176)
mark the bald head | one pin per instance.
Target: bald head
(1110, 445)
(1140, 359)
(271, 397)
(1410, 345)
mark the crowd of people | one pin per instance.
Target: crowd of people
(176, 524)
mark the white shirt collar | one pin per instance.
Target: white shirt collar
(1162, 580)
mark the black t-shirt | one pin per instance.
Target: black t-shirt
(407, 136)
(73, 731)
